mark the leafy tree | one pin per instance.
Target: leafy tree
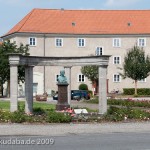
(136, 65)
(91, 72)
(5, 49)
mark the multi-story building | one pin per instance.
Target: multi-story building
(81, 33)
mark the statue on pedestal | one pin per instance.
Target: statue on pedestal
(62, 83)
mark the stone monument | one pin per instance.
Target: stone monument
(62, 103)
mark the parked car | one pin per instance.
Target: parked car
(79, 94)
(76, 95)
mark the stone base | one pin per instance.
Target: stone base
(62, 102)
(60, 107)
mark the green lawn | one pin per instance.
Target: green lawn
(5, 105)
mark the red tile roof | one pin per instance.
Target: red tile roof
(85, 22)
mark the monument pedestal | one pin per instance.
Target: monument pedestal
(62, 103)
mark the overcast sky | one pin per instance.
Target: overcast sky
(12, 11)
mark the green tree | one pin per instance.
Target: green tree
(136, 65)
(5, 49)
(91, 72)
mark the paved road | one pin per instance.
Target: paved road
(104, 141)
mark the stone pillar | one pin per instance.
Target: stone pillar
(62, 103)
(102, 89)
(29, 89)
(13, 88)
(68, 75)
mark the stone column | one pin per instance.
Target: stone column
(68, 75)
(102, 89)
(13, 87)
(29, 89)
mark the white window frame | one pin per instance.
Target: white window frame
(81, 43)
(115, 61)
(32, 43)
(142, 80)
(99, 51)
(116, 80)
(82, 78)
(116, 42)
(142, 42)
(59, 42)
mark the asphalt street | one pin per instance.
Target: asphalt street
(103, 141)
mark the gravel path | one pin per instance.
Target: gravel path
(65, 129)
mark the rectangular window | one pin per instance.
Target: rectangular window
(81, 78)
(58, 42)
(142, 42)
(116, 60)
(116, 78)
(99, 51)
(32, 41)
(81, 42)
(116, 42)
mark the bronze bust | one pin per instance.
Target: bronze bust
(62, 78)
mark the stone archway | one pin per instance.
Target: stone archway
(67, 62)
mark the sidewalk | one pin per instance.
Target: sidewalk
(65, 129)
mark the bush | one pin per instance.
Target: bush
(119, 114)
(4, 116)
(83, 86)
(115, 114)
(140, 91)
(17, 117)
(38, 111)
(55, 117)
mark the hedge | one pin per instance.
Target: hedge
(140, 91)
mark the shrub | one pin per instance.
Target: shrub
(56, 117)
(4, 116)
(38, 111)
(140, 91)
(118, 114)
(17, 117)
(83, 86)
(129, 103)
(115, 114)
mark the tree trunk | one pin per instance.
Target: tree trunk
(135, 92)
